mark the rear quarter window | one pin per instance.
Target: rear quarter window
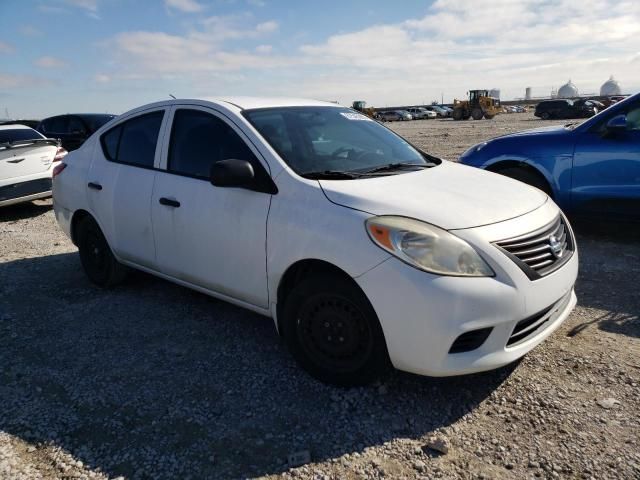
(134, 141)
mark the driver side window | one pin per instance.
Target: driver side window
(198, 139)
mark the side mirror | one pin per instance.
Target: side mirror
(617, 124)
(232, 173)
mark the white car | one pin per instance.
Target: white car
(419, 113)
(363, 249)
(27, 161)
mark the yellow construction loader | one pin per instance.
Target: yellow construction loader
(479, 105)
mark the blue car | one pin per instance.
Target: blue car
(589, 169)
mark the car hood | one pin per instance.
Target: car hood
(450, 196)
(553, 130)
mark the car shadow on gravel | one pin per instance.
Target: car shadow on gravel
(609, 269)
(152, 380)
(21, 211)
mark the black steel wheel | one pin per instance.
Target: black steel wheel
(96, 257)
(333, 332)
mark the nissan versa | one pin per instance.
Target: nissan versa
(364, 250)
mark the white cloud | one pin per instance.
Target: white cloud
(49, 62)
(264, 48)
(257, 3)
(6, 48)
(30, 31)
(89, 5)
(187, 6)
(10, 80)
(101, 78)
(456, 45)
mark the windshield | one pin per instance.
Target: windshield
(17, 134)
(330, 139)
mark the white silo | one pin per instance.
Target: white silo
(610, 87)
(494, 93)
(568, 90)
(527, 93)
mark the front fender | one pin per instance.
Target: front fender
(556, 169)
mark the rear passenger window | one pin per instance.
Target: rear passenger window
(198, 139)
(134, 141)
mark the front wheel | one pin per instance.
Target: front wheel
(96, 257)
(545, 116)
(477, 114)
(333, 332)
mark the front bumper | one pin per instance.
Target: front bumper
(423, 314)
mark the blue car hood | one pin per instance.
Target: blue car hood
(553, 130)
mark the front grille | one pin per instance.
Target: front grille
(542, 251)
(528, 327)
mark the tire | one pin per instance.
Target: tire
(354, 351)
(488, 117)
(529, 177)
(96, 257)
(545, 116)
(477, 114)
(458, 114)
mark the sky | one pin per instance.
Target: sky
(61, 56)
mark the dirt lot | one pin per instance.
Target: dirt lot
(151, 380)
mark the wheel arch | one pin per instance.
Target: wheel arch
(78, 215)
(299, 270)
(500, 165)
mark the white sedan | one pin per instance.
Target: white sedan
(364, 250)
(420, 113)
(27, 161)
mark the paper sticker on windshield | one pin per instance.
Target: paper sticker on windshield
(354, 116)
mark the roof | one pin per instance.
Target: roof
(246, 103)
(16, 126)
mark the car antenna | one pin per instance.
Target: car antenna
(171, 95)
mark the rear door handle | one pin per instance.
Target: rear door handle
(169, 202)
(94, 186)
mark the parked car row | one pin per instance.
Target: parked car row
(514, 108)
(415, 113)
(30, 150)
(566, 108)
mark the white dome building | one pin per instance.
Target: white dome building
(568, 90)
(610, 87)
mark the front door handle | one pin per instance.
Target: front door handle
(169, 202)
(94, 186)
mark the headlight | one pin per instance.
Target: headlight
(427, 247)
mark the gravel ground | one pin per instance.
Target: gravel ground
(152, 380)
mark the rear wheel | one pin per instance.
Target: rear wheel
(333, 332)
(96, 257)
(545, 116)
(529, 177)
(476, 113)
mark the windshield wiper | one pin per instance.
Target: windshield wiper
(331, 175)
(396, 166)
